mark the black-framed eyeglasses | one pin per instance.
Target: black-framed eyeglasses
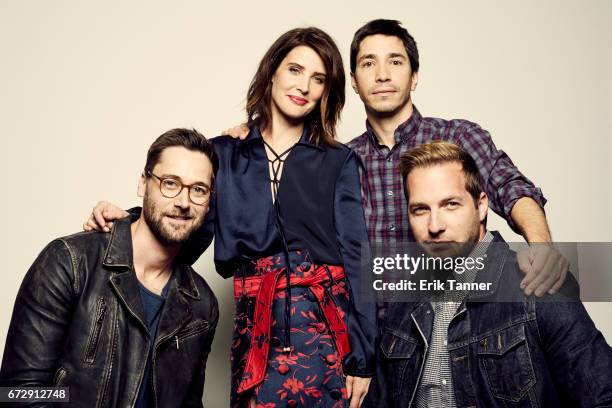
(171, 187)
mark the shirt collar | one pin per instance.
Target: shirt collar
(404, 131)
(119, 254)
(255, 134)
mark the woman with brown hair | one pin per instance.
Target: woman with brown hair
(288, 226)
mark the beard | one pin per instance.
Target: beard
(163, 232)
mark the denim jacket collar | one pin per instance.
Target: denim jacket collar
(492, 273)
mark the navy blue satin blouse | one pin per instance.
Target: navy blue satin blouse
(320, 203)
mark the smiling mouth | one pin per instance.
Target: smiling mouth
(179, 218)
(297, 100)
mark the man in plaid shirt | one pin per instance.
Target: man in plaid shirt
(384, 70)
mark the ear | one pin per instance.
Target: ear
(354, 83)
(483, 206)
(415, 81)
(142, 185)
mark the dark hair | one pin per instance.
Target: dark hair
(385, 27)
(322, 120)
(190, 139)
(439, 152)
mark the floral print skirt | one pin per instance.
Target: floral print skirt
(310, 373)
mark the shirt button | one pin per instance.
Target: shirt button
(390, 193)
(445, 343)
(389, 159)
(392, 227)
(443, 382)
(335, 394)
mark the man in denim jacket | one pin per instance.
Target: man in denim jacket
(477, 348)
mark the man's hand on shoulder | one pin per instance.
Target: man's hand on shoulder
(545, 269)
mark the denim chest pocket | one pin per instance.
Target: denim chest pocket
(507, 364)
(396, 347)
(398, 364)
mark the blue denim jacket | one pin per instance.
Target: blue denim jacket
(528, 353)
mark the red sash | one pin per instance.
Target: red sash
(263, 289)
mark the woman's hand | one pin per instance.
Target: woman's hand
(102, 215)
(357, 388)
(237, 132)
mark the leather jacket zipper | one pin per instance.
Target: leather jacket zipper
(94, 337)
(59, 376)
(153, 361)
(196, 328)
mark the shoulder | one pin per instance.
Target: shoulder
(60, 262)
(224, 142)
(341, 156)
(73, 246)
(85, 239)
(358, 144)
(449, 126)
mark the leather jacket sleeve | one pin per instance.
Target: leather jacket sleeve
(40, 319)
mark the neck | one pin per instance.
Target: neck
(282, 133)
(152, 259)
(483, 232)
(385, 124)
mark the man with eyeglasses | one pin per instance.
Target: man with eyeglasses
(118, 318)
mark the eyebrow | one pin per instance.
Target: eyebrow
(443, 201)
(302, 68)
(417, 204)
(391, 55)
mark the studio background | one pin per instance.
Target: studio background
(86, 87)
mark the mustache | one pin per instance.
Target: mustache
(183, 214)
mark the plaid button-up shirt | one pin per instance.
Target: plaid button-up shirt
(384, 203)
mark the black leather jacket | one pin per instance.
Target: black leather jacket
(78, 322)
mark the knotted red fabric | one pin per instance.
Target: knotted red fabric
(263, 289)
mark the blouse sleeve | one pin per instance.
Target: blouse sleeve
(352, 234)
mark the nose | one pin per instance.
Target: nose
(182, 200)
(303, 84)
(382, 73)
(436, 225)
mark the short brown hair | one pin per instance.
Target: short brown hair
(190, 139)
(322, 120)
(439, 152)
(385, 27)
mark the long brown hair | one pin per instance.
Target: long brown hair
(322, 120)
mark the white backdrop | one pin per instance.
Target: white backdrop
(86, 87)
